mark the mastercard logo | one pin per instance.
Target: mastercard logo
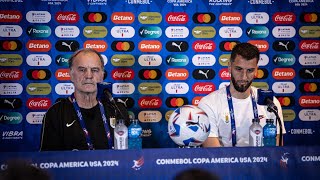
(150, 74)
(203, 18)
(38, 74)
(126, 46)
(227, 46)
(95, 17)
(174, 102)
(13, 45)
(309, 87)
(310, 17)
(262, 73)
(286, 101)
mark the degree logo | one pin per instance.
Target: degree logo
(39, 45)
(38, 74)
(150, 74)
(284, 59)
(124, 46)
(122, 17)
(309, 87)
(227, 46)
(95, 17)
(286, 101)
(150, 32)
(203, 18)
(310, 17)
(174, 102)
(10, 45)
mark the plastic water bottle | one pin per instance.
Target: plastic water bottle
(134, 132)
(255, 133)
(269, 133)
(120, 135)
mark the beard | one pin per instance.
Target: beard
(238, 87)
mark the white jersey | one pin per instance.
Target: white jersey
(216, 106)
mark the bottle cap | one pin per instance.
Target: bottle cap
(256, 120)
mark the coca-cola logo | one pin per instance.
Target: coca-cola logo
(10, 74)
(38, 103)
(224, 74)
(203, 88)
(284, 18)
(122, 74)
(150, 102)
(203, 46)
(177, 18)
(309, 45)
(67, 17)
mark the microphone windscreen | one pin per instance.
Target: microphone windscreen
(265, 96)
(102, 87)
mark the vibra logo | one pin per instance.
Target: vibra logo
(38, 74)
(9, 16)
(122, 74)
(203, 60)
(283, 73)
(150, 18)
(203, 46)
(125, 46)
(10, 31)
(150, 74)
(203, 18)
(177, 46)
(10, 74)
(262, 45)
(150, 60)
(224, 74)
(310, 17)
(309, 59)
(149, 102)
(38, 103)
(309, 45)
(122, 32)
(150, 46)
(177, 60)
(230, 18)
(284, 17)
(95, 17)
(12, 135)
(227, 46)
(149, 116)
(64, 88)
(38, 45)
(230, 32)
(257, 32)
(177, 74)
(67, 45)
(196, 100)
(203, 87)
(67, 17)
(257, 18)
(177, 18)
(283, 32)
(122, 17)
(309, 101)
(203, 74)
(286, 101)
(63, 75)
(177, 32)
(12, 45)
(173, 102)
(10, 60)
(283, 45)
(309, 87)
(67, 31)
(39, 31)
(10, 89)
(98, 45)
(177, 88)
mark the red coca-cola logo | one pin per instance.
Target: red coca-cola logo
(38, 103)
(122, 74)
(177, 18)
(10, 74)
(203, 87)
(67, 17)
(309, 45)
(203, 46)
(150, 102)
(284, 18)
(224, 74)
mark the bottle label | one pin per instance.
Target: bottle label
(120, 140)
(134, 132)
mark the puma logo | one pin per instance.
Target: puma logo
(68, 125)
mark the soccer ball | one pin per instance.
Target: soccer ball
(188, 126)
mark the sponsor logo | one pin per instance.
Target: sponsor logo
(257, 32)
(38, 89)
(10, 31)
(309, 115)
(122, 17)
(177, 74)
(309, 101)
(203, 60)
(64, 88)
(122, 74)
(150, 102)
(284, 17)
(38, 45)
(203, 18)
(150, 60)
(177, 60)
(63, 60)
(10, 16)
(257, 18)
(283, 45)
(309, 59)
(286, 101)
(124, 46)
(10, 45)
(150, 46)
(284, 59)
(177, 88)
(95, 31)
(177, 46)
(10, 60)
(227, 46)
(309, 73)
(177, 18)
(283, 87)
(262, 45)
(149, 116)
(150, 74)
(35, 117)
(283, 73)
(149, 18)
(137, 164)
(10, 103)
(177, 32)
(310, 17)
(262, 73)
(63, 74)
(196, 100)
(230, 32)
(150, 32)
(67, 31)
(224, 59)
(224, 74)
(38, 103)
(230, 18)
(309, 31)
(203, 87)
(97, 2)
(122, 32)
(128, 102)
(283, 31)
(288, 115)
(67, 17)
(174, 102)
(168, 114)
(39, 31)
(261, 85)
(38, 74)
(98, 45)
(265, 2)
(10, 74)
(67, 45)
(12, 135)
(203, 46)
(95, 17)
(150, 88)
(264, 60)
(122, 60)
(10, 118)
(38, 16)
(122, 88)
(309, 87)
(309, 45)
(203, 74)
(203, 32)
(10, 89)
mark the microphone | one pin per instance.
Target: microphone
(265, 98)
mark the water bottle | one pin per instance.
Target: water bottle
(255, 133)
(269, 133)
(121, 135)
(134, 132)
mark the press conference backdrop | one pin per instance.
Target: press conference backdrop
(159, 55)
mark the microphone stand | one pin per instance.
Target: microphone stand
(275, 111)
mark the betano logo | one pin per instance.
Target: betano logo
(284, 17)
(95, 17)
(150, 18)
(122, 17)
(10, 74)
(262, 45)
(309, 101)
(230, 18)
(150, 46)
(150, 74)
(227, 46)
(309, 87)
(283, 73)
(10, 45)
(203, 18)
(122, 46)
(174, 102)
(38, 74)
(39, 45)
(63, 74)
(98, 45)
(177, 74)
(196, 100)
(10, 16)
(67, 17)
(177, 18)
